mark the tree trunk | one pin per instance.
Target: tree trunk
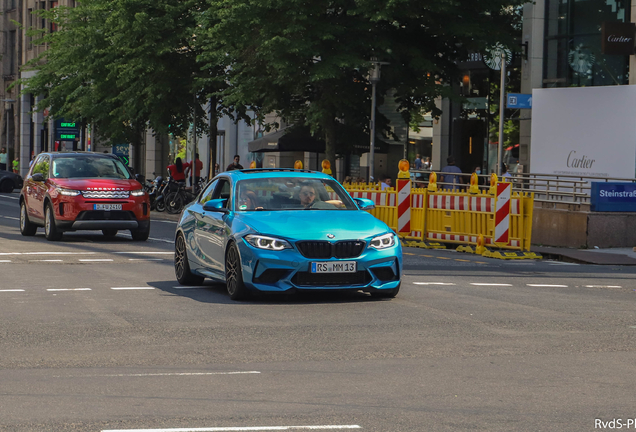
(330, 143)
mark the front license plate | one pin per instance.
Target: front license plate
(107, 207)
(334, 267)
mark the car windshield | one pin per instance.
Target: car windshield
(291, 193)
(89, 167)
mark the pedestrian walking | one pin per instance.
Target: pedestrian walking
(427, 165)
(3, 159)
(451, 178)
(235, 165)
(417, 164)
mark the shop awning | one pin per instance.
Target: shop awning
(288, 139)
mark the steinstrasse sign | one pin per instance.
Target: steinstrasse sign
(586, 131)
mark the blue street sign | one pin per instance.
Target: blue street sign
(613, 197)
(519, 100)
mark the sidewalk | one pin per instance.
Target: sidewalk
(613, 256)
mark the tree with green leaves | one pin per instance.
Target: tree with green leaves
(309, 61)
(123, 65)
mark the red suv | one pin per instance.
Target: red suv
(82, 191)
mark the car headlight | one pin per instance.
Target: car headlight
(383, 241)
(139, 192)
(68, 192)
(264, 242)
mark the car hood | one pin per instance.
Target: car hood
(314, 224)
(97, 184)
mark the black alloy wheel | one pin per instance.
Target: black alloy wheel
(7, 186)
(234, 275)
(174, 203)
(50, 229)
(182, 266)
(26, 227)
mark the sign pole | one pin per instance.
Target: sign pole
(502, 98)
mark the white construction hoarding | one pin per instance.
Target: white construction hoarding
(585, 131)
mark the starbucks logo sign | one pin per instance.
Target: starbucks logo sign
(581, 60)
(492, 57)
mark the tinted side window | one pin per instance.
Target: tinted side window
(206, 195)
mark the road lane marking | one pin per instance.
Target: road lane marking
(12, 290)
(428, 256)
(68, 289)
(145, 259)
(97, 260)
(177, 374)
(547, 286)
(562, 263)
(490, 284)
(462, 260)
(132, 288)
(47, 253)
(240, 428)
(433, 283)
(46, 260)
(9, 217)
(481, 262)
(164, 221)
(603, 286)
(443, 258)
(5, 261)
(10, 197)
(147, 253)
(191, 287)
(406, 253)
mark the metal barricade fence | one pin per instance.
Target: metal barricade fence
(452, 216)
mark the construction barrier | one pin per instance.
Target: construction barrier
(458, 217)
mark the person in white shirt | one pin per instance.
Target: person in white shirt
(385, 183)
(504, 172)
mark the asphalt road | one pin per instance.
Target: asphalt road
(96, 335)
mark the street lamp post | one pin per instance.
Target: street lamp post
(375, 79)
(7, 102)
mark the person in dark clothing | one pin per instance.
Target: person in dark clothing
(235, 165)
(452, 169)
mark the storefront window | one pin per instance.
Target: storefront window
(573, 43)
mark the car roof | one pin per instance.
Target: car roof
(79, 153)
(246, 174)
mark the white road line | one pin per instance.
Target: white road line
(603, 286)
(433, 283)
(5, 261)
(240, 428)
(10, 197)
(161, 240)
(164, 221)
(147, 253)
(68, 289)
(132, 288)
(179, 374)
(96, 260)
(47, 253)
(46, 260)
(145, 259)
(490, 284)
(9, 217)
(12, 290)
(562, 263)
(547, 286)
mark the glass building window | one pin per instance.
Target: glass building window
(572, 56)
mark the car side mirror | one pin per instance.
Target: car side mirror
(38, 177)
(216, 205)
(141, 179)
(364, 204)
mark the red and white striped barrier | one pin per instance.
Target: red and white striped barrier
(404, 206)
(475, 204)
(502, 213)
(379, 198)
(465, 239)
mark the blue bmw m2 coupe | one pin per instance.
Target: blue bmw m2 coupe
(282, 230)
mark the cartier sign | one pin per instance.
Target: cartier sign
(618, 38)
